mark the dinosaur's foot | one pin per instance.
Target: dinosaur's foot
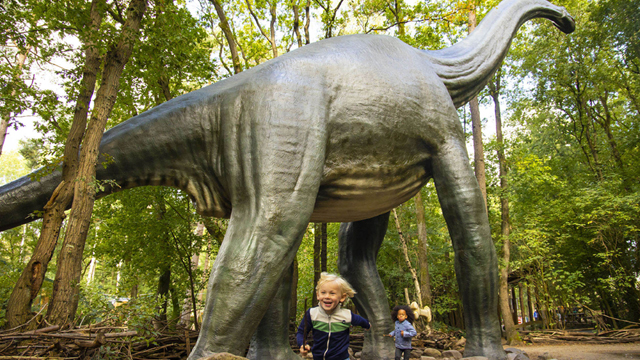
(378, 348)
(491, 351)
(218, 356)
(272, 354)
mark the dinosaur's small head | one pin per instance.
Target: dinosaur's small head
(565, 22)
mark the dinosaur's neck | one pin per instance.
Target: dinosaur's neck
(466, 67)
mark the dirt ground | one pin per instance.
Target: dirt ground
(584, 351)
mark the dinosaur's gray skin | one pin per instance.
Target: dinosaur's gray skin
(342, 130)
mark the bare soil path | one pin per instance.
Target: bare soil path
(584, 351)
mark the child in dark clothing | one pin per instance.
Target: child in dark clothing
(328, 321)
(404, 331)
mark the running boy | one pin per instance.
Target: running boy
(328, 321)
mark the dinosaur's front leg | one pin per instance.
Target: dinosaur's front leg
(271, 339)
(359, 245)
(476, 264)
(273, 158)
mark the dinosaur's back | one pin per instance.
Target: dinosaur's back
(386, 113)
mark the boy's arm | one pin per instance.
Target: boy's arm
(360, 321)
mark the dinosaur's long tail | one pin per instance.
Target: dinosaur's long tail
(19, 199)
(466, 67)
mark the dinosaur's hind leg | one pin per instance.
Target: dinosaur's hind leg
(359, 245)
(271, 339)
(476, 264)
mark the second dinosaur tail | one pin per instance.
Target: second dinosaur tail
(466, 67)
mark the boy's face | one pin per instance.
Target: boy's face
(330, 296)
(402, 315)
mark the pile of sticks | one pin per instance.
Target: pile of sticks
(88, 341)
(561, 336)
(439, 340)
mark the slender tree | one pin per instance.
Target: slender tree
(476, 124)
(29, 283)
(512, 333)
(228, 34)
(64, 299)
(423, 245)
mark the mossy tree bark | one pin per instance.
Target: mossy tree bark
(64, 299)
(30, 281)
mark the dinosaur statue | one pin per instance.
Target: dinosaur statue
(341, 130)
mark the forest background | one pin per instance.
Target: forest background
(562, 184)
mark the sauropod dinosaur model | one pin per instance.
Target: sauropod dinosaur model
(341, 130)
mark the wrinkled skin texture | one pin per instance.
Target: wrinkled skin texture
(342, 130)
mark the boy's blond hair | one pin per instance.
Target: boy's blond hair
(345, 287)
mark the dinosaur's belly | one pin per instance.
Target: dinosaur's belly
(361, 193)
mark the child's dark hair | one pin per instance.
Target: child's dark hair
(411, 317)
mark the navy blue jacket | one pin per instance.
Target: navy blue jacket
(330, 332)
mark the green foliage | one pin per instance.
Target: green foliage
(143, 232)
(97, 305)
(573, 162)
(573, 146)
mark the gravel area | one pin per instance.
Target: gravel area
(585, 351)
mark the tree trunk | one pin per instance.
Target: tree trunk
(476, 125)
(134, 290)
(530, 303)
(189, 302)
(317, 266)
(164, 281)
(514, 305)
(544, 305)
(226, 29)
(423, 261)
(606, 126)
(30, 281)
(323, 253)
(271, 37)
(296, 25)
(511, 332)
(522, 303)
(293, 304)
(405, 250)
(307, 23)
(64, 299)
(164, 284)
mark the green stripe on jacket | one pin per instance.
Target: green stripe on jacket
(335, 326)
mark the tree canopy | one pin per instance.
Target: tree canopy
(571, 111)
